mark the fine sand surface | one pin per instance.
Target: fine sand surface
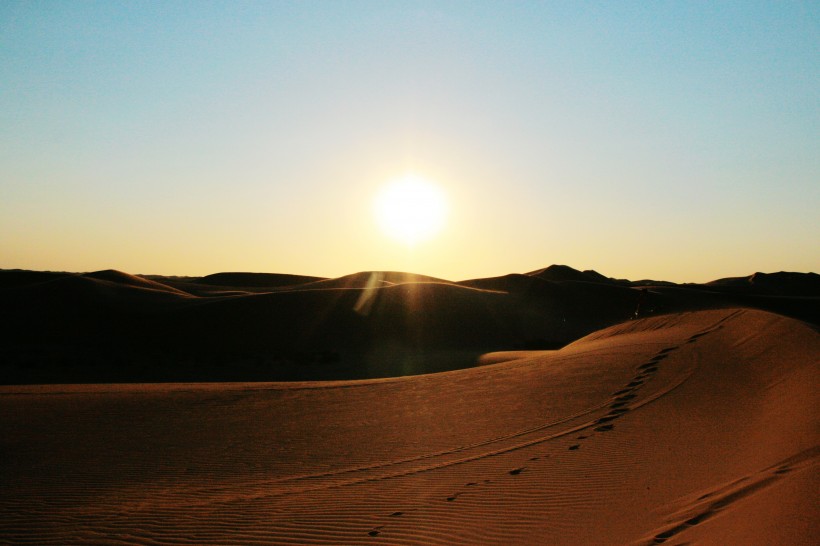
(684, 428)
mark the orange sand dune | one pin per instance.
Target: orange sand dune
(687, 428)
(370, 279)
(247, 280)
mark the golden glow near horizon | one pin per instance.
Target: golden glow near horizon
(410, 209)
(263, 146)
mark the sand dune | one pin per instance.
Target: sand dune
(685, 428)
(772, 284)
(245, 280)
(557, 273)
(370, 279)
(110, 326)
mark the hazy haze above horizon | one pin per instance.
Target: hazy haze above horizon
(674, 140)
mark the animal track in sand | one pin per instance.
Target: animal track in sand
(574, 447)
(517, 471)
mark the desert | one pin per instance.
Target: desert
(417, 272)
(694, 422)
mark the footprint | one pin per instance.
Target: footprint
(660, 538)
(517, 471)
(376, 531)
(606, 419)
(471, 484)
(612, 415)
(396, 514)
(574, 447)
(534, 458)
(625, 397)
(604, 428)
(635, 383)
(622, 391)
(667, 350)
(582, 437)
(699, 518)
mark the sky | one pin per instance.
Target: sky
(666, 140)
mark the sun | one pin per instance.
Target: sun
(410, 209)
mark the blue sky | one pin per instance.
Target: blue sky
(674, 140)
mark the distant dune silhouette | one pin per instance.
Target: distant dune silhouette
(113, 326)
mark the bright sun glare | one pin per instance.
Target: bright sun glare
(411, 209)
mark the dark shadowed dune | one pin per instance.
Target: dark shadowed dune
(569, 308)
(112, 326)
(79, 294)
(10, 278)
(255, 280)
(118, 277)
(227, 284)
(369, 279)
(771, 284)
(557, 273)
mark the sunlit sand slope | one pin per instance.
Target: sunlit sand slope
(685, 428)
